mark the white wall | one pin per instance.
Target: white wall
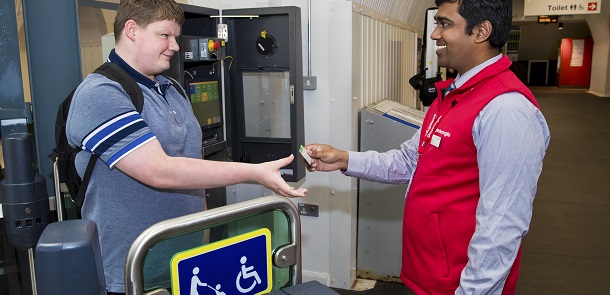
(341, 132)
(600, 69)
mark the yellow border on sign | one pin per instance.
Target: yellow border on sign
(221, 244)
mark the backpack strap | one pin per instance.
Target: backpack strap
(115, 73)
(79, 199)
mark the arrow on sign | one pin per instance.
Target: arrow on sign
(592, 6)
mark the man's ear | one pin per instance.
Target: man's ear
(130, 29)
(482, 32)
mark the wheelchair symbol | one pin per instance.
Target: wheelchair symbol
(246, 273)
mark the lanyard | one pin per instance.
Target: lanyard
(444, 108)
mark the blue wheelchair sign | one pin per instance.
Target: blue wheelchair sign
(237, 265)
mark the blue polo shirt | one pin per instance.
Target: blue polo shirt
(104, 121)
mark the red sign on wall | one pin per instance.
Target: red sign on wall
(592, 6)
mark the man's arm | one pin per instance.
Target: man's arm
(326, 158)
(511, 143)
(149, 164)
(103, 120)
(394, 166)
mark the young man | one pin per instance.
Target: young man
(473, 167)
(150, 165)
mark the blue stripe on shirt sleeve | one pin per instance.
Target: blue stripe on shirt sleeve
(118, 136)
(110, 127)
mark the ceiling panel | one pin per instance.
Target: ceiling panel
(411, 12)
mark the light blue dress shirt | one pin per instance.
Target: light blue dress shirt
(511, 137)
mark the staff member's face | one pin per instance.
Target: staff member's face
(155, 43)
(455, 46)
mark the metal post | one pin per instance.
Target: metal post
(134, 276)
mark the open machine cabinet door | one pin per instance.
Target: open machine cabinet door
(265, 78)
(242, 69)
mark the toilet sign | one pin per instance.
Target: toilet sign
(234, 266)
(561, 7)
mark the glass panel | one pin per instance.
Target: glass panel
(267, 104)
(157, 265)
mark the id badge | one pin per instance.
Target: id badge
(435, 140)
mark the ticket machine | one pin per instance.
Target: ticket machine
(242, 71)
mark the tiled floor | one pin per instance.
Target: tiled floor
(379, 288)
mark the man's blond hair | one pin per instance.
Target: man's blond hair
(145, 12)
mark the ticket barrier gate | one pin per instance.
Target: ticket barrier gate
(272, 221)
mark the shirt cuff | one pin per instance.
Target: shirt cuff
(355, 164)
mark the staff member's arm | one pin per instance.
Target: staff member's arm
(394, 166)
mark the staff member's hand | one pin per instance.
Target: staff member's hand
(326, 158)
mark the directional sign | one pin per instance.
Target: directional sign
(234, 266)
(561, 7)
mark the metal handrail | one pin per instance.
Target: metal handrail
(59, 200)
(134, 278)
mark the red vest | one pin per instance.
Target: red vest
(439, 217)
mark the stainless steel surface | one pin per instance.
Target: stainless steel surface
(32, 270)
(157, 292)
(285, 256)
(134, 280)
(58, 199)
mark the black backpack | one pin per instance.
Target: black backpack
(66, 155)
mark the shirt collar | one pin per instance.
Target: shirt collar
(137, 76)
(462, 79)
